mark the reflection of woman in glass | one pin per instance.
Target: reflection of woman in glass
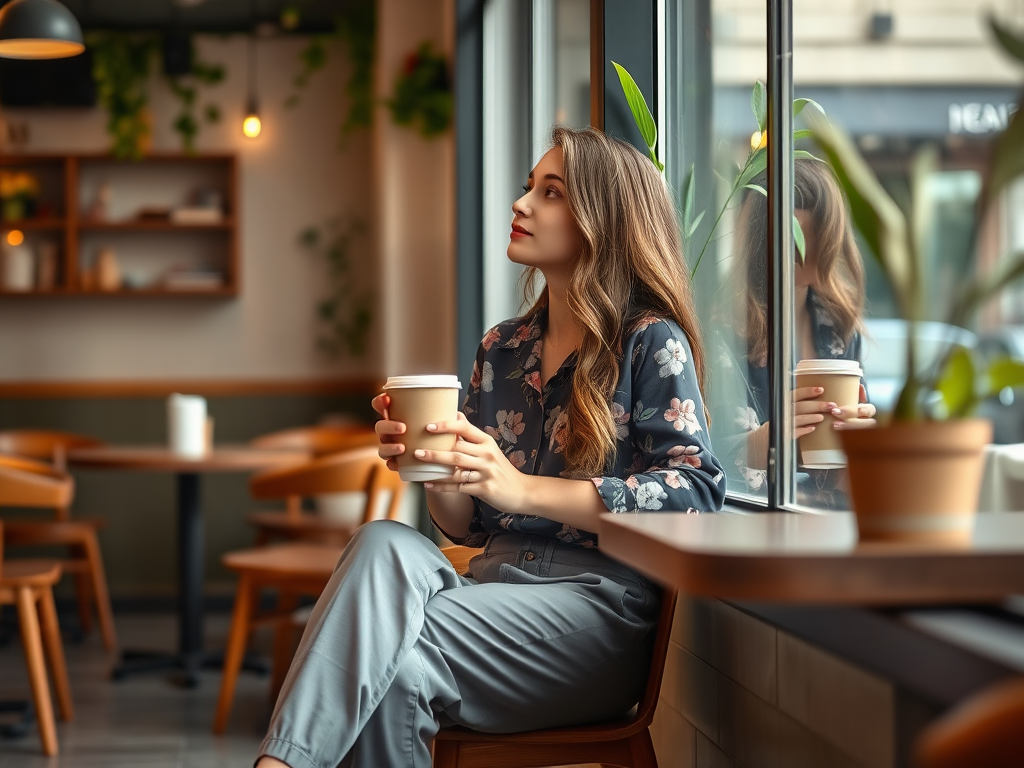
(589, 403)
(829, 288)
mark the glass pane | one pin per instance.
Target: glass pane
(712, 130)
(900, 78)
(572, 63)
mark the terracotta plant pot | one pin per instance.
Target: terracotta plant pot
(917, 482)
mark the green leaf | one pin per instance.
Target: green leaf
(756, 188)
(688, 199)
(798, 236)
(756, 163)
(1003, 373)
(799, 104)
(978, 291)
(803, 154)
(1008, 40)
(694, 224)
(802, 133)
(638, 106)
(956, 384)
(759, 104)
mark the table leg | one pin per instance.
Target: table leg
(190, 576)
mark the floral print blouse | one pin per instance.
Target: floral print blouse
(663, 459)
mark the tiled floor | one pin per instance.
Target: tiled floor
(145, 721)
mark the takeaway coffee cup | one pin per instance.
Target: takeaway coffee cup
(822, 448)
(417, 401)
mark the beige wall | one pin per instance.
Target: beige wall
(290, 177)
(415, 203)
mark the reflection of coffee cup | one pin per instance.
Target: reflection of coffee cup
(417, 401)
(822, 449)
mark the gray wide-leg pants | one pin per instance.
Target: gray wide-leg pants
(538, 635)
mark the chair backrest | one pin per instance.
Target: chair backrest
(44, 444)
(47, 488)
(319, 440)
(358, 469)
(983, 730)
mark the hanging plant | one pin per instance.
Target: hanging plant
(356, 28)
(423, 93)
(346, 314)
(121, 66)
(186, 89)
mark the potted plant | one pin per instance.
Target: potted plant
(916, 477)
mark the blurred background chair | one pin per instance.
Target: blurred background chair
(28, 584)
(79, 536)
(295, 569)
(985, 730)
(625, 742)
(296, 524)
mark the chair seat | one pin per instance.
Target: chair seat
(287, 560)
(33, 573)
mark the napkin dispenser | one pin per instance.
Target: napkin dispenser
(186, 425)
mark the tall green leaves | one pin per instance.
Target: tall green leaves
(641, 113)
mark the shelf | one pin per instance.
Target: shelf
(147, 293)
(169, 181)
(33, 224)
(153, 226)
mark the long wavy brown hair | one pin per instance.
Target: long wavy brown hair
(631, 267)
(839, 286)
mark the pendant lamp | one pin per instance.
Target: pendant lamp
(39, 29)
(251, 124)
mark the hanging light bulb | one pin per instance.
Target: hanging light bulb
(251, 125)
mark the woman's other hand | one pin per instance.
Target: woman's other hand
(479, 468)
(808, 412)
(387, 432)
(861, 416)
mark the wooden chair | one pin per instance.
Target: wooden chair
(28, 584)
(84, 559)
(292, 524)
(985, 730)
(625, 742)
(297, 568)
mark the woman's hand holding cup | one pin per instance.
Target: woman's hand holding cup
(387, 432)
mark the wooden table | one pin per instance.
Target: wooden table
(814, 558)
(189, 656)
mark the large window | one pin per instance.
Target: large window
(897, 76)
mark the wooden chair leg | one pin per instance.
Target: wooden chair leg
(28, 620)
(100, 592)
(284, 634)
(236, 650)
(83, 597)
(55, 654)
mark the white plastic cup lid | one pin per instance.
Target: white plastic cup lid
(843, 367)
(428, 381)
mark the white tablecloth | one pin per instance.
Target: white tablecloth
(1002, 484)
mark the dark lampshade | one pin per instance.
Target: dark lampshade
(39, 29)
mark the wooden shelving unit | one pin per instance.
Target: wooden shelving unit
(146, 248)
